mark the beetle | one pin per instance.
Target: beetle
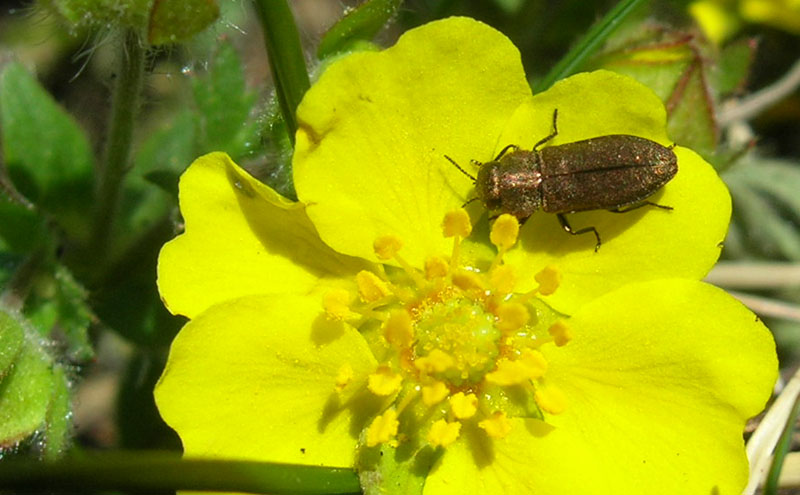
(616, 172)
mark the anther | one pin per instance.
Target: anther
(398, 329)
(383, 429)
(434, 393)
(550, 398)
(384, 381)
(371, 288)
(463, 406)
(560, 332)
(497, 425)
(443, 434)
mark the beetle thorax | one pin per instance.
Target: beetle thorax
(511, 184)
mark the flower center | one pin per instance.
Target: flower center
(464, 331)
(458, 347)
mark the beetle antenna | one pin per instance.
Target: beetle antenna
(461, 169)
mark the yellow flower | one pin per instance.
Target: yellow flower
(372, 315)
(721, 19)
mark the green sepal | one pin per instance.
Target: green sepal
(58, 422)
(359, 24)
(58, 302)
(11, 338)
(402, 470)
(25, 391)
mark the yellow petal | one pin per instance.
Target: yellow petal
(643, 244)
(241, 238)
(375, 129)
(659, 381)
(260, 378)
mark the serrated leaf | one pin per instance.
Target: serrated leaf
(58, 423)
(224, 105)
(25, 394)
(360, 24)
(47, 154)
(11, 339)
(654, 62)
(176, 20)
(690, 111)
(733, 66)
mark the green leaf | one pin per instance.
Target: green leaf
(11, 339)
(359, 24)
(25, 394)
(58, 423)
(224, 105)
(47, 154)
(176, 20)
(22, 230)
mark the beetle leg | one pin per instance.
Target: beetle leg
(639, 205)
(470, 201)
(566, 226)
(551, 136)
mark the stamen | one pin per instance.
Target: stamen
(456, 224)
(560, 332)
(399, 329)
(503, 279)
(344, 376)
(497, 425)
(384, 381)
(503, 235)
(434, 393)
(383, 429)
(467, 281)
(512, 316)
(549, 279)
(336, 303)
(436, 267)
(531, 364)
(463, 406)
(371, 288)
(387, 247)
(550, 398)
(437, 361)
(442, 433)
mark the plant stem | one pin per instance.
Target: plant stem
(153, 471)
(286, 61)
(586, 46)
(110, 176)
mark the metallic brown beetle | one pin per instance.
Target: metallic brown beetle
(615, 172)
